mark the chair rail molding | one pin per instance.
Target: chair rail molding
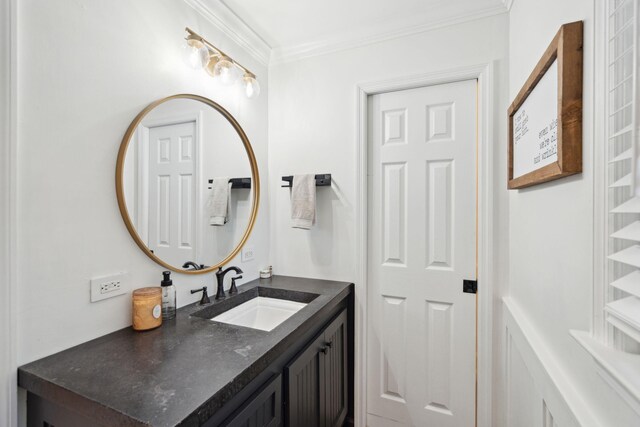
(484, 73)
(8, 162)
(557, 391)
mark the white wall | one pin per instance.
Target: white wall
(551, 244)
(71, 122)
(312, 129)
(86, 69)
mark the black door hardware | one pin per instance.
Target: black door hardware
(470, 286)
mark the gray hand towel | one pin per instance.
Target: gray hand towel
(219, 201)
(303, 201)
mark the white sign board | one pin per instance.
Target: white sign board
(535, 126)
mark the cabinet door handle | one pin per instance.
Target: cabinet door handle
(324, 350)
(329, 344)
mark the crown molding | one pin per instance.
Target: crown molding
(363, 38)
(233, 27)
(224, 19)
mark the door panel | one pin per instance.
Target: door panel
(395, 213)
(439, 366)
(172, 192)
(422, 245)
(439, 214)
(394, 373)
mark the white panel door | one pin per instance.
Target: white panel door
(172, 192)
(422, 245)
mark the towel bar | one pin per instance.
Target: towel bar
(237, 182)
(322, 180)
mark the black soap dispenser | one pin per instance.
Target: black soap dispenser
(168, 296)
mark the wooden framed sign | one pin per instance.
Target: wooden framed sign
(545, 119)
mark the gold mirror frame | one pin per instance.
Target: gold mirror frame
(122, 204)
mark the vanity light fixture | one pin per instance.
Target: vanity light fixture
(251, 85)
(195, 53)
(226, 71)
(199, 53)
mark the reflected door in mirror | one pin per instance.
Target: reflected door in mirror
(168, 159)
(172, 177)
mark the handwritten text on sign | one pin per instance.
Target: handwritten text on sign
(535, 126)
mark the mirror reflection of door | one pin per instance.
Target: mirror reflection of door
(177, 150)
(171, 191)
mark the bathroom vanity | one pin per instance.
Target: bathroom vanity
(193, 371)
(276, 352)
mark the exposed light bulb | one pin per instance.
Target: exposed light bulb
(225, 71)
(213, 60)
(195, 54)
(251, 86)
(198, 53)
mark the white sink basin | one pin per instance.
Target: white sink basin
(260, 313)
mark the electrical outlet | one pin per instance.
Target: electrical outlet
(248, 254)
(108, 286)
(112, 286)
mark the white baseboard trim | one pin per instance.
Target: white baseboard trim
(557, 391)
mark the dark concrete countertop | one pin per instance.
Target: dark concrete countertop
(178, 374)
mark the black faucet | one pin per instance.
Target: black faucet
(193, 264)
(220, 277)
(233, 289)
(205, 297)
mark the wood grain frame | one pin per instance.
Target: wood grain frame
(566, 48)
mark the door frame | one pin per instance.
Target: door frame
(142, 181)
(485, 184)
(8, 214)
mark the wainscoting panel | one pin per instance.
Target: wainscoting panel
(523, 399)
(535, 397)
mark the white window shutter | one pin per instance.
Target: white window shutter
(623, 307)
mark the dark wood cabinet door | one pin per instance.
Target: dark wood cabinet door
(302, 378)
(335, 378)
(317, 390)
(264, 409)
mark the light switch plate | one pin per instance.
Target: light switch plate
(108, 286)
(248, 254)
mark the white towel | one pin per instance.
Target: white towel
(219, 201)
(303, 201)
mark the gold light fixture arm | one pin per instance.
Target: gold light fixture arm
(218, 51)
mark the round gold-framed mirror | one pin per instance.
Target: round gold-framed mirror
(182, 185)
